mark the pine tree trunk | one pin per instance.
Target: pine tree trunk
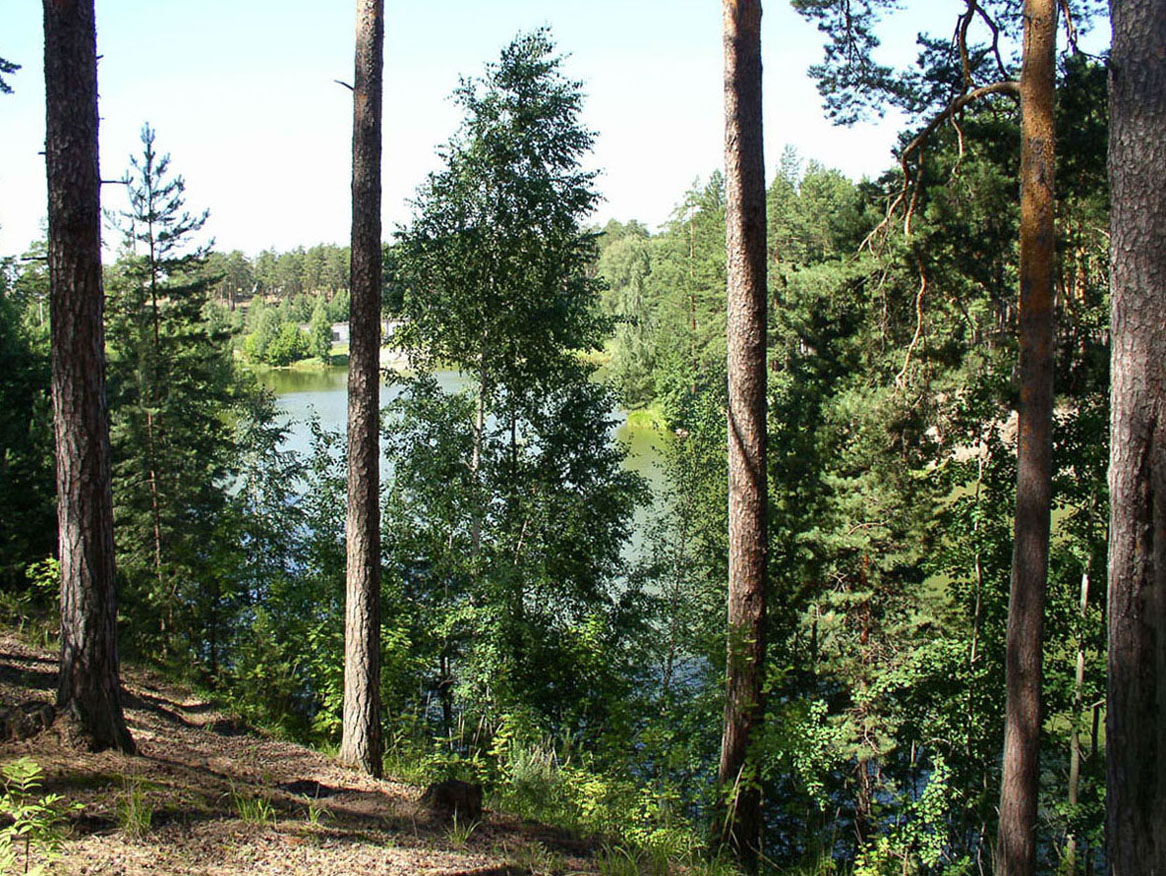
(1016, 843)
(745, 244)
(88, 687)
(361, 744)
(1136, 715)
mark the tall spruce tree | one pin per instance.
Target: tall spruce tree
(172, 386)
(88, 686)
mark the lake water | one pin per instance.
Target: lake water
(324, 394)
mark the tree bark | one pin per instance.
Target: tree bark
(746, 252)
(1016, 843)
(1136, 714)
(88, 687)
(361, 744)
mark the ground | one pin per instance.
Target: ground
(227, 800)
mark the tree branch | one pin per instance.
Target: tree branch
(901, 377)
(917, 147)
(1070, 26)
(995, 28)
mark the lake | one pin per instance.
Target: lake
(324, 394)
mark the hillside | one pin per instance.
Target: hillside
(227, 800)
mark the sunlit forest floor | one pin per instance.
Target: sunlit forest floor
(208, 795)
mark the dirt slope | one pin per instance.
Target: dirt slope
(196, 765)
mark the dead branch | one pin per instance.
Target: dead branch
(900, 378)
(1070, 26)
(995, 29)
(965, 22)
(959, 131)
(917, 146)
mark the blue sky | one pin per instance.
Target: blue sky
(241, 93)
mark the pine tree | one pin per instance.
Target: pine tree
(361, 743)
(748, 487)
(88, 687)
(1136, 699)
(1020, 783)
(6, 67)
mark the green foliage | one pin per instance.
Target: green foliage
(625, 264)
(288, 346)
(508, 507)
(537, 860)
(37, 830)
(35, 610)
(495, 259)
(892, 472)
(852, 84)
(320, 333)
(520, 609)
(521, 648)
(27, 486)
(320, 270)
(688, 288)
(275, 334)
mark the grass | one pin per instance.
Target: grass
(315, 813)
(537, 859)
(135, 813)
(646, 418)
(461, 831)
(253, 809)
(597, 358)
(617, 861)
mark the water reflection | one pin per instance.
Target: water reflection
(323, 394)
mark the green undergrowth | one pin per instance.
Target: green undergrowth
(33, 613)
(634, 828)
(35, 830)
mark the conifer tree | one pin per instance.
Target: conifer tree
(361, 743)
(172, 384)
(88, 687)
(748, 489)
(1020, 783)
(1136, 699)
